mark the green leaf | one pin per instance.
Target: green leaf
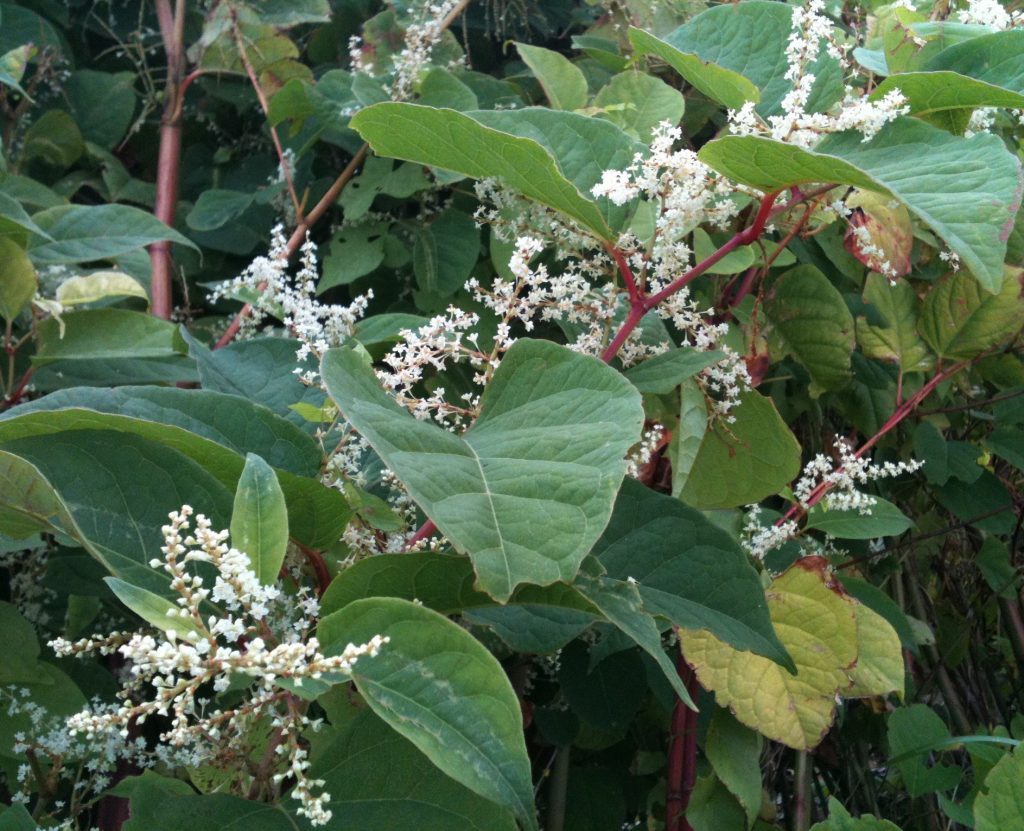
(688, 570)
(932, 93)
(582, 147)
(1008, 444)
(716, 82)
(213, 429)
(103, 104)
(525, 492)
(885, 520)
(879, 669)
(117, 489)
(13, 214)
(13, 64)
(840, 820)
(259, 520)
(82, 233)
(17, 818)
(53, 139)
(663, 373)
(216, 208)
(100, 285)
(743, 462)
(451, 140)
(750, 38)
(106, 333)
(18, 281)
(445, 252)
(734, 262)
(638, 103)
(378, 779)
(897, 341)
(563, 82)
(995, 58)
(918, 727)
(355, 252)
(689, 433)
(153, 608)
(28, 502)
(159, 803)
(815, 324)
(966, 189)
(1001, 804)
(436, 685)
(959, 321)
(734, 752)
(620, 602)
(713, 807)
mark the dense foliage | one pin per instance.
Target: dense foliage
(513, 413)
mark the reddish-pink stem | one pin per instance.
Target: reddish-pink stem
(900, 413)
(423, 532)
(627, 273)
(640, 304)
(681, 775)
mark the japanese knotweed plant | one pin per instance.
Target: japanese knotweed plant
(635, 441)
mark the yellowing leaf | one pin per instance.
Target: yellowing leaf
(879, 668)
(817, 623)
(889, 230)
(99, 285)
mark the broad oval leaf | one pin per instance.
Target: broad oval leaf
(967, 190)
(451, 140)
(378, 779)
(743, 462)
(82, 233)
(688, 570)
(563, 82)
(815, 324)
(100, 285)
(717, 82)
(213, 429)
(999, 807)
(152, 608)
(750, 38)
(884, 520)
(259, 519)
(435, 684)
(816, 622)
(663, 373)
(528, 489)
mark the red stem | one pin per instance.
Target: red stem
(169, 159)
(900, 413)
(423, 532)
(682, 754)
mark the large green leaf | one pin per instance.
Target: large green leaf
(895, 339)
(621, 603)
(117, 488)
(213, 429)
(638, 102)
(104, 334)
(82, 233)
(996, 58)
(935, 94)
(885, 520)
(688, 570)
(815, 324)
(839, 819)
(451, 140)
(527, 491)
(378, 779)
(750, 39)
(718, 83)
(743, 462)
(259, 519)
(18, 282)
(959, 321)
(435, 684)
(582, 147)
(1001, 806)
(563, 82)
(966, 189)
(28, 502)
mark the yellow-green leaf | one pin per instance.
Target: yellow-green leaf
(76, 291)
(817, 623)
(879, 669)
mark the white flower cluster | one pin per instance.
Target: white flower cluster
(199, 650)
(274, 294)
(868, 249)
(840, 482)
(810, 28)
(991, 13)
(422, 34)
(758, 540)
(642, 454)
